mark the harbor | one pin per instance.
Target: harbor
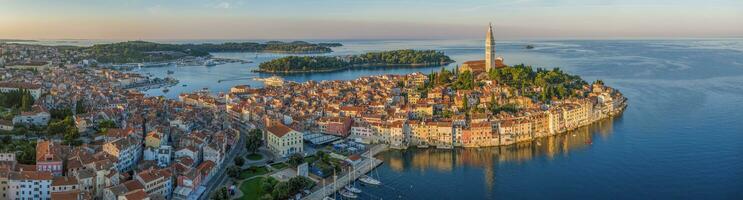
(358, 173)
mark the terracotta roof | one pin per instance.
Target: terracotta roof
(133, 185)
(279, 129)
(70, 195)
(64, 180)
(136, 195)
(32, 175)
(19, 85)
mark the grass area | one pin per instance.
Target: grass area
(254, 156)
(257, 171)
(279, 166)
(251, 189)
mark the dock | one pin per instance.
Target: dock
(362, 168)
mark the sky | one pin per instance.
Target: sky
(366, 19)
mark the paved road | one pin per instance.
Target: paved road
(221, 176)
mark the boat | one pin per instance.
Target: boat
(184, 85)
(327, 198)
(348, 194)
(422, 145)
(170, 72)
(166, 90)
(369, 180)
(352, 189)
(210, 63)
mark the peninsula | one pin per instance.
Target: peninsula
(142, 51)
(396, 58)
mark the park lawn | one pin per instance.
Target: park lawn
(251, 189)
(247, 173)
(254, 156)
(279, 166)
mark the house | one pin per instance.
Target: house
(127, 151)
(38, 116)
(49, 157)
(64, 184)
(163, 155)
(29, 185)
(156, 181)
(214, 152)
(283, 141)
(34, 89)
(120, 190)
(339, 126)
(189, 151)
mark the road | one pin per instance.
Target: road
(221, 176)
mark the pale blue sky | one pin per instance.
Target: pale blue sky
(357, 19)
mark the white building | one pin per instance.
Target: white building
(37, 116)
(163, 155)
(156, 182)
(34, 89)
(283, 141)
(214, 152)
(127, 150)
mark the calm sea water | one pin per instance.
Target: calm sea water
(680, 138)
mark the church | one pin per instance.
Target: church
(490, 62)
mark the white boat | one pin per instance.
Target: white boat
(352, 189)
(369, 180)
(327, 198)
(347, 194)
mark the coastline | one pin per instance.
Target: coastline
(356, 66)
(498, 141)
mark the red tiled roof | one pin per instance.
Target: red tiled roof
(279, 129)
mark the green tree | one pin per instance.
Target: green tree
(79, 107)
(26, 103)
(239, 161)
(282, 190)
(254, 140)
(221, 194)
(233, 172)
(295, 159)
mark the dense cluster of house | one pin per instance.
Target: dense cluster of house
(18, 55)
(158, 149)
(390, 109)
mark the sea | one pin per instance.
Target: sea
(681, 136)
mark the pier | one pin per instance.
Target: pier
(361, 169)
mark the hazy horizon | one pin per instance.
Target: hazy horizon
(363, 20)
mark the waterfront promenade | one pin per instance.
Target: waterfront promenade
(362, 168)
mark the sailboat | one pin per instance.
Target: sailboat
(348, 194)
(350, 187)
(367, 179)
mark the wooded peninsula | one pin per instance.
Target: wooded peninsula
(396, 58)
(142, 51)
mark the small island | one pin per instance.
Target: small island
(396, 58)
(143, 51)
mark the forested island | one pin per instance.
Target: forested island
(142, 51)
(399, 58)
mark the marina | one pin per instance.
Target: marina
(345, 181)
